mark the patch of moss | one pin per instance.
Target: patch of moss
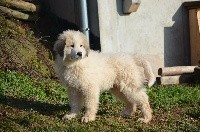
(21, 50)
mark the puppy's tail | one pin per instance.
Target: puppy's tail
(147, 70)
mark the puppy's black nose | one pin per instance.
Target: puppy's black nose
(79, 53)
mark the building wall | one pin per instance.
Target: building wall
(64, 9)
(69, 11)
(158, 30)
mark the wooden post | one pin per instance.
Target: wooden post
(167, 80)
(19, 4)
(177, 70)
(198, 18)
(16, 14)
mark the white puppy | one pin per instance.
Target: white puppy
(87, 73)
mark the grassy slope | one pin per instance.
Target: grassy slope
(21, 50)
(30, 105)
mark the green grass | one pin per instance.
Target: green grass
(38, 105)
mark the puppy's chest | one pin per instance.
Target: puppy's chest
(73, 76)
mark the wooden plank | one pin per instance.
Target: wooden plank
(194, 36)
(176, 70)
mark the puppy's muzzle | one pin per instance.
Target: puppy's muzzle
(79, 54)
(76, 55)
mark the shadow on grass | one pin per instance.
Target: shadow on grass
(40, 107)
(194, 113)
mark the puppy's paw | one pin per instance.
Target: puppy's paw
(69, 116)
(87, 118)
(144, 120)
(128, 111)
(126, 114)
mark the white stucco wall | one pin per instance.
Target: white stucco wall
(158, 31)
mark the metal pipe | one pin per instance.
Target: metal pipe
(84, 18)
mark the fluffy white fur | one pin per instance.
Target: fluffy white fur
(87, 73)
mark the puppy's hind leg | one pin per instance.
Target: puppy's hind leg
(75, 99)
(141, 98)
(130, 107)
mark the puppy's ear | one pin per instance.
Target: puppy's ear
(87, 47)
(85, 43)
(59, 47)
(87, 51)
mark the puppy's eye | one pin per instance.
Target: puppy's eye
(72, 46)
(81, 45)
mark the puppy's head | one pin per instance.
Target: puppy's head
(72, 45)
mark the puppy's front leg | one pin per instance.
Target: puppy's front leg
(91, 104)
(75, 99)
